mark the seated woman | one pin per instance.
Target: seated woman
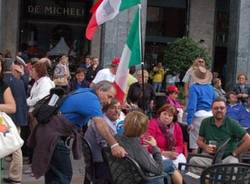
(219, 92)
(168, 134)
(112, 115)
(135, 125)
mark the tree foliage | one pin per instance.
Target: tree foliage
(180, 55)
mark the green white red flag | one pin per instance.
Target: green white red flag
(131, 55)
(107, 10)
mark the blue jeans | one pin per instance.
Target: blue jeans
(60, 170)
(157, 86)
(168, 167)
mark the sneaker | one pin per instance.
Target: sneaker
(8, 180)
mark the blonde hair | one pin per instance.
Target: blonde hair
(135, 124)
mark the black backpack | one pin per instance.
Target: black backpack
(49, 105)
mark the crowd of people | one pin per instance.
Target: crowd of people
(147, 126)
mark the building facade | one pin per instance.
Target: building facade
(36, 26)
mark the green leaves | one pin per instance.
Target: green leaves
(180, 55)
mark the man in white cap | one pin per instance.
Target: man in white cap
(200, 97)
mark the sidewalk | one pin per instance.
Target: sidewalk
(78, 174)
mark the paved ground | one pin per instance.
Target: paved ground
(78, 170)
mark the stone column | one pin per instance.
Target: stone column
(114, 33)
(1, 25)
(95, 46)
(201, 22)
(238, 60)
(9, 25)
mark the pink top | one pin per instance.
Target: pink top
(155, 131)
(173, 102)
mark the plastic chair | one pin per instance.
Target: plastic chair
(90, 175)
(127, 171)
(237, 173)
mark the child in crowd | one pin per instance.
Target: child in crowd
(241, 88)
(135, 125)
(172, 95)
(79, 81)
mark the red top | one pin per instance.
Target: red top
(155, 131)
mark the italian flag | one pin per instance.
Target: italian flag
(131, 55)
(107, 10)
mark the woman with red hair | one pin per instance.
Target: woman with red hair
(168, 133)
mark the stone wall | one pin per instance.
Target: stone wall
(201, 22)
(9, 23)
(114, 33)
(1, 25)
(239, 41)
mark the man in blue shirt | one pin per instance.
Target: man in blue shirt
(244, 115)
(233, 106)
(81, 106)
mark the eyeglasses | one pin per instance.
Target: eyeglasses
(217, 108)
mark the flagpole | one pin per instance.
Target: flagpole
(142, 56)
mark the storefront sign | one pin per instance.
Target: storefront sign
(61, 10)
(41, 10)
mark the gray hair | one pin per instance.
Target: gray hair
(103, 85)
(7, 64)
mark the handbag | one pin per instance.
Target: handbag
(10, 140)
(63, 81)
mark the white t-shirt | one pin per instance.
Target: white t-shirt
(188, 78)
(104, 74)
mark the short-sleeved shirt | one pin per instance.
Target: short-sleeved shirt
(229, 129)
(82, 105)
(3, 87)
(104, 74)
(187, 77)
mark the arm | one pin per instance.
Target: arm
(152, 165)
(9, 105)
(206, 148)
(186, 80)
(245, 146)
(186, 89)
(103, 129)
(192, 102)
